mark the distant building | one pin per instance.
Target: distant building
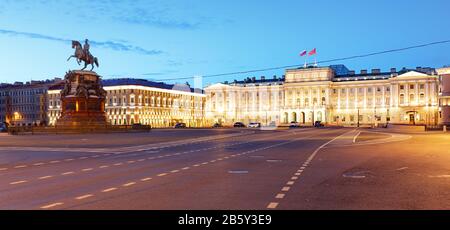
(334, 95)
(25, 103)
(131, 101)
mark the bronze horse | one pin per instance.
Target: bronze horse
(81, 56)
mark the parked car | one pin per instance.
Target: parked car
(180, 125)
(294, 125)
(318, 124)
(254, 125)
(3, 127)
(217, 125)
(239, 125)
(140, 126)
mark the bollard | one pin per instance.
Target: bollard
(445, 128)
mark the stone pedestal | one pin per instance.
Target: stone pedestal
(82, 101)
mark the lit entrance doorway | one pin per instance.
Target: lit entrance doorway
(294, 117)
(412, 120)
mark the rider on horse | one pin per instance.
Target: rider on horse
(86, 49)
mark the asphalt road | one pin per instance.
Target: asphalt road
(327, 168)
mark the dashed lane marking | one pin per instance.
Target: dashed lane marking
(44, 177)
(18, 182)
(129, 184)
(52, 205)
(280, 196)
(146, 179)
(67, 173)
(84, 197)
(272, 205)
(109, 189)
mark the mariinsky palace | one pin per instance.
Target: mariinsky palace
(334, 95)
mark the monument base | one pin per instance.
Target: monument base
(83, 102)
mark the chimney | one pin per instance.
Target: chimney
(393, 70)
(376, 71)
(363, 71)
(351, 72)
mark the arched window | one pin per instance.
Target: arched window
(402, 99)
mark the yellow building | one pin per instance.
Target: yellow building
(333, 95)
(131, 101)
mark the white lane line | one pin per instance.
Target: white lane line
(109, 189)
(103, 166)
(280, 196)
(196, 165)
(53, 162)
(140, 160)
(67, 173)
(285, 189)
(131, 162)
(294, 178)
(297, 174)
(40, 163)
(272, 205)
(88, 169)
(44, 177)
(18, 182)
(175, 171)
(290, 182)
(84, 196)
(117, 164)
(20, 166)
(3, 169)
(129, 184)
(51, 205)
(356, 136)
(162, 174)
(185, 168)
(146, 179)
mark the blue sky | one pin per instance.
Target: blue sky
(175, 38)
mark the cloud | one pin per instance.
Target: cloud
(117, 46)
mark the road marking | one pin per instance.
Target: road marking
(20, 166)
(2, 169)
(52, 205)
(84, 196)
(70, 159)
(285, 189)
(290, 182)
(95, 156)
(44, 177)
(162, 174)
(294, 178)
(109, 189)
(67, 173)
(128, 184)
(196, 165)
(88, 169)
(117, 164)
(272, 205)
(131, 162)
(40, 163)
(146, 179)
(356, 136)
(18, 182)
(141, 160)
(175, 171)
(53, 162)
(280, 196)
(185, 168)
(104, 166)
(297, 174)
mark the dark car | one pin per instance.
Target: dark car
(3, 127)
(217, 125)
(180, 125)
(140, 126)
(318, 124)
(239, 125)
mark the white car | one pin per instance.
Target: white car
(254, 125)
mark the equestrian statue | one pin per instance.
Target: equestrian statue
(83, 54)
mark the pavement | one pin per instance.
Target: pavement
(227, 169)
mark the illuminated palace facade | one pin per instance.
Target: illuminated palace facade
(131, 101)
(333, 95)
